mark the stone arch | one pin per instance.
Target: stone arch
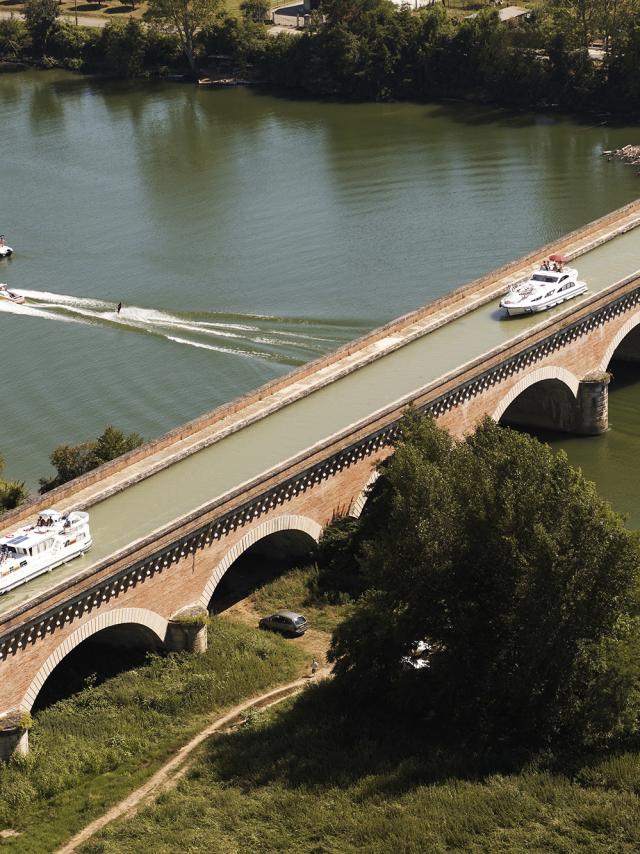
(618, 338)
(265, 529)
(117, 617)
(538, 375)
(358, 505)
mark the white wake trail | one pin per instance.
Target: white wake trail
(63, 299)
(203, 346)
(248, 354)
(67, 308)
(28, 311)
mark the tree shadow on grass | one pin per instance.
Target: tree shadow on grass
(324, 741)
(119, 10)
(90, 7)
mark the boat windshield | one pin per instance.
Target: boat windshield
(540, 277)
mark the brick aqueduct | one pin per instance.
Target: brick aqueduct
(553, 374)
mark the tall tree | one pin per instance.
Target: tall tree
(125, 46)
(524, 582)
(41, 17)
(186, 18)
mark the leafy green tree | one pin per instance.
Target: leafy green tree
(41, 17)
(186, 18)
(256, 10)
(14, 38)
(70, 42)
(522, 579)
(125, 46)
(12, 492)
(336, 557)
(71, 461)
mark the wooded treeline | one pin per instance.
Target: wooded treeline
(367, 50)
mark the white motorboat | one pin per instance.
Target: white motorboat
(34, 549)
(5, 293)
(551, 285)
(5, 250)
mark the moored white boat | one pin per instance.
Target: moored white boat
(34, 549)
(551, 285)
(5, 250)
(5, 293)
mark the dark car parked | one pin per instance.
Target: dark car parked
(286, 622)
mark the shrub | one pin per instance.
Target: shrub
(14, 38)
(71, 461)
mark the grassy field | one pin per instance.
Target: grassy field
(303, 777)
(90, 750)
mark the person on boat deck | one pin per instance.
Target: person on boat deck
(545, 265)
(2, 240)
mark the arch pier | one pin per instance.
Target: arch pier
(554, 399)
(14, 734)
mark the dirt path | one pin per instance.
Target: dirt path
(314, 642)
(171, 772)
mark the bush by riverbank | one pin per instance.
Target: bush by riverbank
(308, 777)
(93, 748)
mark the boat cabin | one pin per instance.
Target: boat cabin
(28, 545)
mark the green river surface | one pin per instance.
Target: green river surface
(246, 234)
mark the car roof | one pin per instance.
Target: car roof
(289, 614)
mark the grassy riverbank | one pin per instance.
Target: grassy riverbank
(92, 749)
(305, 777)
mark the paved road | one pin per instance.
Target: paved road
(83, 20)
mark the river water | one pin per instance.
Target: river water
(246, 234)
